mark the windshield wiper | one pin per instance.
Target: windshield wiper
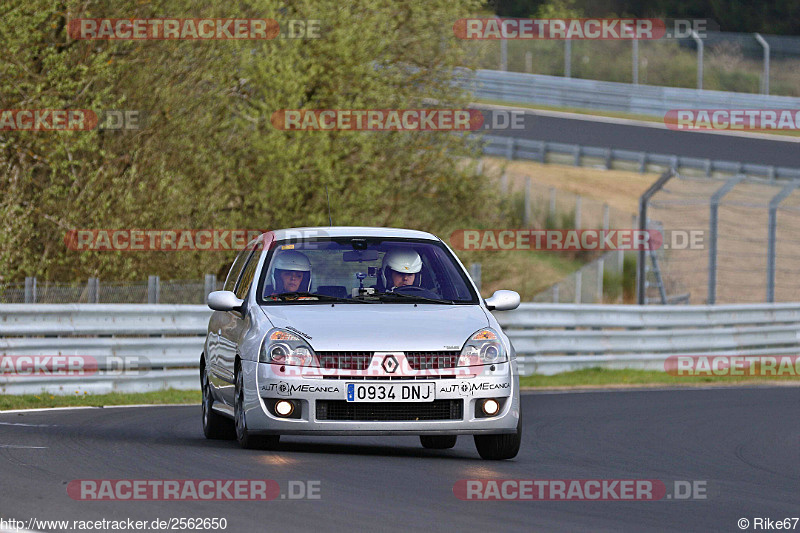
(296, 295)
(415, 297)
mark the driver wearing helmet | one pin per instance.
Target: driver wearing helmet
(401, 267)
(291, 273)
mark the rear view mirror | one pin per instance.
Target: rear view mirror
(360, 256)
(503, 301)
(224, 301)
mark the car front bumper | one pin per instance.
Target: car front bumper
(263, 384)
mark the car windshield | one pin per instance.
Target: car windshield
(362, 270)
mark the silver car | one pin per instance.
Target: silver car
(358, 331)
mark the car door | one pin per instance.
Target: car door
(235, 325)
(216, 351)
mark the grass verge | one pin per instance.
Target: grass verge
(602, 377)
(36, 401)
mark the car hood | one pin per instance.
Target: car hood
(380, 327)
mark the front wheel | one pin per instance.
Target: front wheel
(499, 447)
(245, 438)
(215, 426)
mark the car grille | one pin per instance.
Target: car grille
(344, 360)
(432, 360)
(390, 412)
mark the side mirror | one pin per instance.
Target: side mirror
(503, 301)
(224, 301)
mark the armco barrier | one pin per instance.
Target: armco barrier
(517, 87)
(165, 341)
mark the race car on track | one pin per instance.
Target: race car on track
(358, 331)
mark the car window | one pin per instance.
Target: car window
(249, 272)
(341, 267)
(236, 268)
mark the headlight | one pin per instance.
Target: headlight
(285, 348)
(483, 348)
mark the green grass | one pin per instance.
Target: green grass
(603, 377)
(35, 401)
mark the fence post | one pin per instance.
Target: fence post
(600, 272)
(773, 220)
(92, 290)
(578, 286)
(636, 61)
(605, 217)
(567, 58)
(504, 183)
(475, 274)
(153, 289)
(555, 293)
(528, 62)
(642, 258)
(578, 211)
(712, 229)
(30, 290)
(552, 212)
(210, 286)
(527, 215)
(504, 54)
(765, 75)
(699, 42)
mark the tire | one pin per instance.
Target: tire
(499, 447)
(215, 425)
(245, 438)
(438, 442)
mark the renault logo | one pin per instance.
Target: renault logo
(390, 364)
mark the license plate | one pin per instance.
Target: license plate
(390, 392)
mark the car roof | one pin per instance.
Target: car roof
(352, 231)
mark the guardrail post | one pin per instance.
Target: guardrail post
(92, 290)
(544, 153)
(709, 167)
(643, 162)
(772, 226)
(577, 155)
(642, 259)
(153, 289)
(712, 241)
(699, 42)
(210, 286)
(526, 221)
(578, 211)
(765, 75)
(30, 290)
(510, 152)
(475, 274)
(608, 158)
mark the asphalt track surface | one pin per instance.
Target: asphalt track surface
(657, 140)
(743, 442)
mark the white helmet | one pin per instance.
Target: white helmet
(292, 260)
(403, 261)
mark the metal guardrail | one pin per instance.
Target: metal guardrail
(578, 155)
(165, 341)
(609, 96)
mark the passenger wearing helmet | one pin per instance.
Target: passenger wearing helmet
(401, 267)
(291, 273)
